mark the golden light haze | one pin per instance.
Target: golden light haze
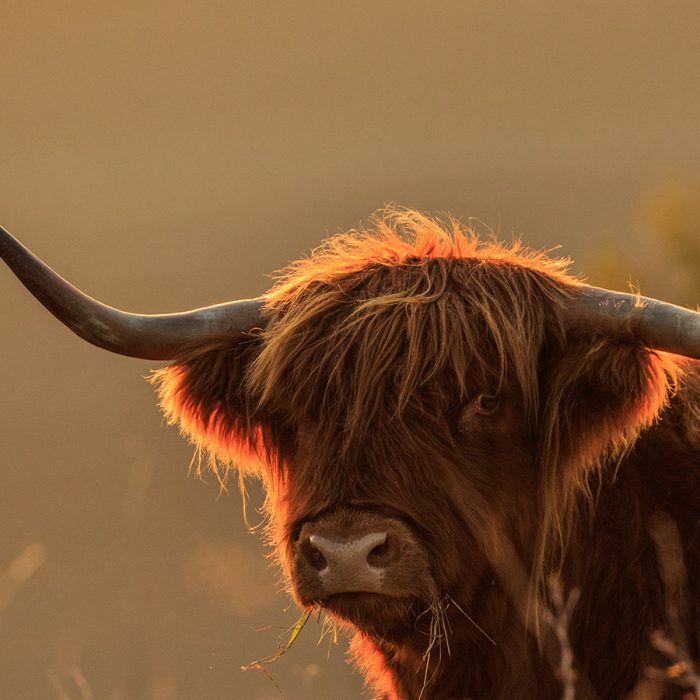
(167, 155)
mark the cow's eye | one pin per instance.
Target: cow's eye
(487, 403)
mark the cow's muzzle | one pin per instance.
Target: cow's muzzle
(356, 551)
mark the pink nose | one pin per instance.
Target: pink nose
(349, 565)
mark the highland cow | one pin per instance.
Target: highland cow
(451, 433)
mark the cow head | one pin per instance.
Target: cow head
(415, 398)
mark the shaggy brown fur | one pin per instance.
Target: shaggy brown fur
(361, 393)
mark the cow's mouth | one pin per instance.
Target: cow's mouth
(388, 617)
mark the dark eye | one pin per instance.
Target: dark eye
(487, 403)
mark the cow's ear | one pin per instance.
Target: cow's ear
(204, 393)
(597, 395)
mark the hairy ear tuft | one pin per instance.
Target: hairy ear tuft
(203, 393)
(599, 394)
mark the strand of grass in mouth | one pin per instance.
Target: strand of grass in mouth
(437, 632)
(329, 628)
(472, 620)
(295, 631)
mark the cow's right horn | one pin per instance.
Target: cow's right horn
(150, 337)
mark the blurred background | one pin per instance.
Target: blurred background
(167, 155)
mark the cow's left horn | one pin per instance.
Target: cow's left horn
(150, 337)
(656, 324)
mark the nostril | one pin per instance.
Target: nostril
(380, 555)
(315, 557)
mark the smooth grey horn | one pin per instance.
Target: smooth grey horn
(656, 324)
(149, 337)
